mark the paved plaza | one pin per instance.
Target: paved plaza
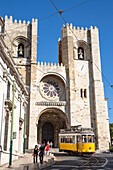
(26, 163)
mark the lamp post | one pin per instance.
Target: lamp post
(11, 140)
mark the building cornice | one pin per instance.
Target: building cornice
(63, 103)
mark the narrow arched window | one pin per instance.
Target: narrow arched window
(80, 53)
(20, 50)
(81, 92)
(85, 93)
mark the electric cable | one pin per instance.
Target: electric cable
(76, 6)
(103, 76)
(63, 19)
(60, 12)
(77, 39)
(54, 14)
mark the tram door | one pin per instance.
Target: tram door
(48, 132)
(78, 143)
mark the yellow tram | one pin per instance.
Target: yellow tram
(77, 140)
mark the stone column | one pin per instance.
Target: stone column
(33, 133)
(40, 134)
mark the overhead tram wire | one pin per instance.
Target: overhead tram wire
(53, 14)
(60, 12)
(64, 10)
(103, 75)
(76, 6)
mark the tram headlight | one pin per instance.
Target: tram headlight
(90, 148)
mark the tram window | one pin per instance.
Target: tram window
(84, 139)
(68, 139)
(72, 139)
(78, 139)
(93, 139)
(89, 138)
(65, 140)
(61, 140)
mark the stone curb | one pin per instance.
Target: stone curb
(50, 162)
(38, 166)
(48, 165)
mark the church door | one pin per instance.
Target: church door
(48, 132)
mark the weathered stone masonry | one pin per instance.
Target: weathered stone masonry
(68, 94)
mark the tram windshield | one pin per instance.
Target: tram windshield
(84, 139)
(67, 139)
(87, 138)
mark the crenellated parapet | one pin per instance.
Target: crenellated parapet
(10, 20)
(70, 30)
(44, 64)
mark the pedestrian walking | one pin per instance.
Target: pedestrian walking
(51, 144)
(35, 154)
(44, 144)
(41, 154)
(47, 149)
(39, 145)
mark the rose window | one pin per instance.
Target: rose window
(51, 89)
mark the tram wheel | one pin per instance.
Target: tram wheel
(71, 153)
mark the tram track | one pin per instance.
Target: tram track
(89, 163)
(94, 162)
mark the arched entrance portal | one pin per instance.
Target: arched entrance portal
(48, 132)
(49, 123)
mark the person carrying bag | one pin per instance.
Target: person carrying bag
(35, 154)
(41, 154)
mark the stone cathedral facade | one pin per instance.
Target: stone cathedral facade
(70, 93)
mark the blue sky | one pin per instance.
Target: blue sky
(95, 12)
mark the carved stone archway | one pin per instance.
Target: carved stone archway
(54, 117)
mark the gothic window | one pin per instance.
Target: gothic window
(91, 125)
(80, 53)
(81, 92)
(85, 93)
(8, 90)
(20, 50)
(51, 88)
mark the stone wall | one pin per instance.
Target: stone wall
(38, 102)
(85, 74)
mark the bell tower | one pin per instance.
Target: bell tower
(79, 51)
(21, 40)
